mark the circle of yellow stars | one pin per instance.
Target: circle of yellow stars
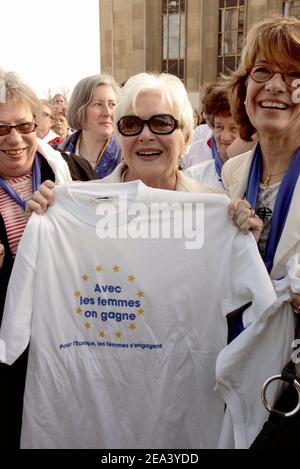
(131, 278)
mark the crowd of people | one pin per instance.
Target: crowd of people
(244, 171)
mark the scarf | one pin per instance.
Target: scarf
(282, 203)
(216, 156)
(36, 182)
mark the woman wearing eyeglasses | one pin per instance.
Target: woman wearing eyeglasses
(265, 183)
(264, 100)
(44, 129)
(25, 162)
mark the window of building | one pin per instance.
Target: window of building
(174, 37)
(231, 34)
(291, 8)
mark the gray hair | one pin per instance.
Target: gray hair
(59, 95)
(82, 96)
(173, 94)
(12, 88)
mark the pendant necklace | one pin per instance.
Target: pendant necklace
(267, 180)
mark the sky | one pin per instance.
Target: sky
(51, 44)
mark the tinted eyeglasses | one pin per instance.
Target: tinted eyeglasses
(25, 128)
(262, 74)
(46, 114)
(160, 124)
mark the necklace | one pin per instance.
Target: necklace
(266, 181)
(95, 161)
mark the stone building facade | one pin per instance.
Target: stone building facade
(193, 39)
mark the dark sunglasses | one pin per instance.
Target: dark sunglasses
(262, 74)
(25, 128)
(160, 124)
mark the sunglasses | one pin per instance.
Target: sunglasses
(25, 128)
(262, 74)
(160, 124)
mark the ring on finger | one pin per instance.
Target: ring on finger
(252, 213)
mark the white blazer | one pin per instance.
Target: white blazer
(235, 178)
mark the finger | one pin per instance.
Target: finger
(233, 206)
(38, 203)
(241, 218)
(46, 189)
(243, 212)
(41, 200)
(243, 206)
(49, 184)
(252, 224)
(246, 226)
(47, 194)
(33, 206)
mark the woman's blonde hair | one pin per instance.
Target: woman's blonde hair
(82, 96)
(12, 88)
(277, 40)
(173, 94)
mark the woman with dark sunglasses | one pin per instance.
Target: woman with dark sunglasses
(25, 162)
(154, 126)
(264, 183)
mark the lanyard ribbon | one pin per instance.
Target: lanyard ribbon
(36, 182)
(282, 203)
(216, 156)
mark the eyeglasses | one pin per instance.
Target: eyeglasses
(160, 124)
(46, 114)
(25, 128)
(262, 74)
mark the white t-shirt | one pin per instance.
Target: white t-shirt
(206, 174)
(124, 333)
(199, 152)
(202, 131)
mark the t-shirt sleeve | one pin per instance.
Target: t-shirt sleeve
(16, 322)
(248, 281)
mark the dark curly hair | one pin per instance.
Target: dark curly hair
(215, 101)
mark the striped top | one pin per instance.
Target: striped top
(12, 213)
